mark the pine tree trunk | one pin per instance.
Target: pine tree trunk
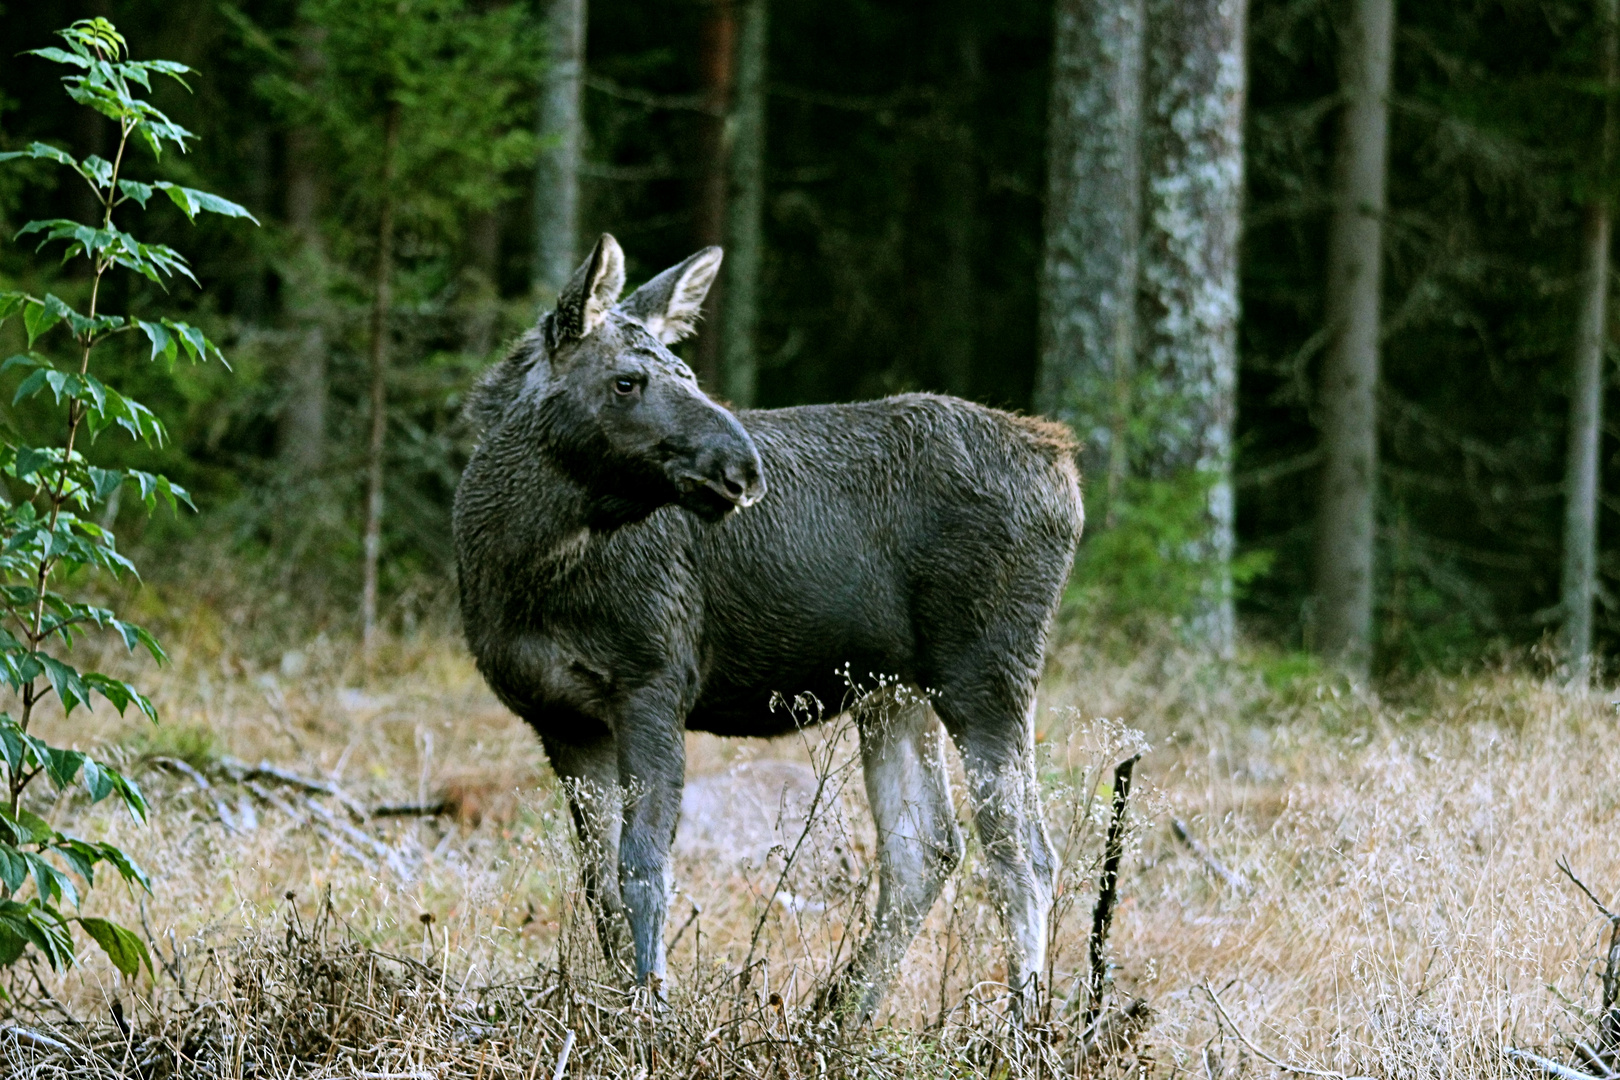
(745, 214)
(1346, 519)
(301, 434)
(1089, 274)
(1586, 397)
(1193, 169)
(718, 62)
(556, 175)
(382, 300)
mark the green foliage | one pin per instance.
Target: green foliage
(461, 77)
(47, 531)
(1150, 565)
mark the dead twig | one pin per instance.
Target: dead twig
(1235, 881)
(1220, 1011)
(1102, 916)
(1563, 864)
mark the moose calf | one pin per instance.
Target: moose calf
(637, 561)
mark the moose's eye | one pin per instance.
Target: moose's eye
(624, 386)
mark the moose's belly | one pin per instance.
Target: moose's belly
(791, 682)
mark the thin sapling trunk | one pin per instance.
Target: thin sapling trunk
(382, 297)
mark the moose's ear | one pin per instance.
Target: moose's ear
(669, 304)
(591, 292)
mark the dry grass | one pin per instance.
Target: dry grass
(1402, 915)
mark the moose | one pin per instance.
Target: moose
(637, 561)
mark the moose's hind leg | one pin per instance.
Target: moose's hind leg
(590, 774)
(919, 844)
(997, 742)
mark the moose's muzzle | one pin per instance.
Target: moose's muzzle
(722, 472)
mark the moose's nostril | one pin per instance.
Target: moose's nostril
(739, 478)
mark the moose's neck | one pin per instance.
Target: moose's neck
(523, 510)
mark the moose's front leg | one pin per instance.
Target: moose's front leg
(652, 770)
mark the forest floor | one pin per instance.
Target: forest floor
(1371, 887)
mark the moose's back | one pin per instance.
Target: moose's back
(896, 535)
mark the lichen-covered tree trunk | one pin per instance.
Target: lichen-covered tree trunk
(1089, 272)
(1586, 393)
(301, 434)
(556, 176)
(1193, 193)
(1347, 403)
(745, 209)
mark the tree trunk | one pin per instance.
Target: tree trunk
(745, 214)
(718, 61)
(480, 281)
(1089, 274)
(1193, 167)
(1346, 518)
(959, 177)
(382, 299)
(301, 433)
(556, 175)
(1586, 397)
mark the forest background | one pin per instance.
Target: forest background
(883, 176)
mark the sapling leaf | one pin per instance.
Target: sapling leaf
(10, 302)
(134, 189)
(193, 202)
(38, 318)
(124, 949)
(162, 342)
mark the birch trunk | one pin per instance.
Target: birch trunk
(1346, 519)
(1193, 170)
(745, 212)
(556, 174)
(382, 300)
(1090, 268)
(1586, 397)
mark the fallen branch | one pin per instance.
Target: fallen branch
(1220, 1011)
(223, 812)
(275, 800)
(240, 770)
(427, 809)
(1549, 1066)
(1600, 1068)
(1102, 916)
(35, 1040)
(1235, 881)
(562, 1058)
(378, 848)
